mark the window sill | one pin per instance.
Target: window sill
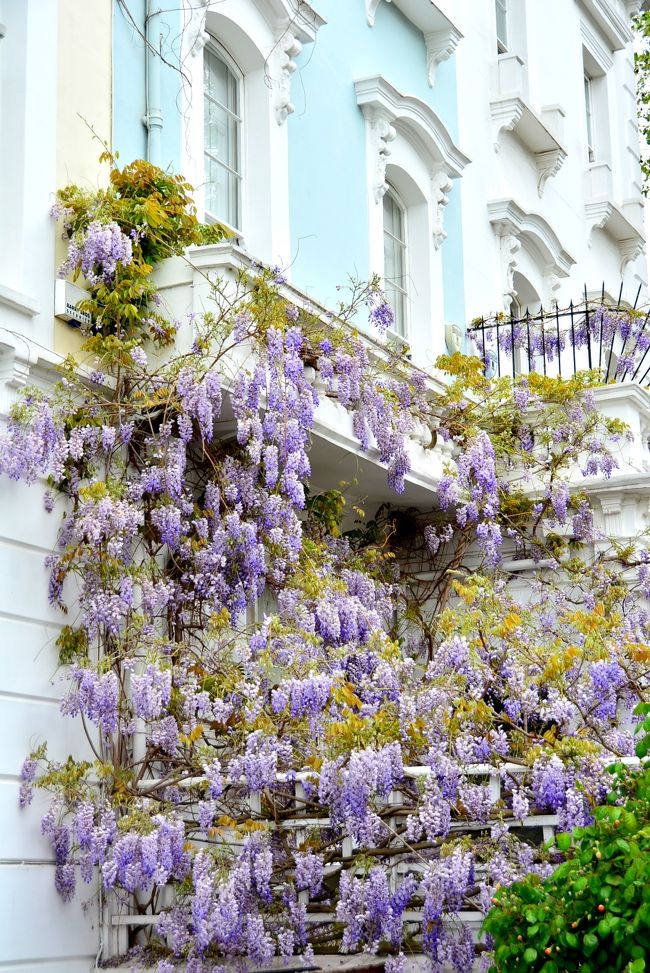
(513, 114)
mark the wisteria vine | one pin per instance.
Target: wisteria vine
(314, 777)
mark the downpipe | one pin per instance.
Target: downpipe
(153, 118)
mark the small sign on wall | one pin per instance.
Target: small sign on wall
(67, 297)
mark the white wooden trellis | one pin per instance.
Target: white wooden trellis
(118, 920)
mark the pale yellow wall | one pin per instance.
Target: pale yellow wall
(84, 98)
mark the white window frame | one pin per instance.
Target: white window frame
(589, 116)
(248, 32)
(399, 286)
(597, 64)
(219, 51)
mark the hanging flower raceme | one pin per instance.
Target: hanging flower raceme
(473, 490)
(97, 251)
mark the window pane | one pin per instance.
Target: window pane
(221, 139)
(395, 262)
(502, 25)
(389, 214)
(216, 78)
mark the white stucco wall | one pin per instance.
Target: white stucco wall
(55, 61)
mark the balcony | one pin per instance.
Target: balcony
(186, 285)
(538, 133)
(620, 222)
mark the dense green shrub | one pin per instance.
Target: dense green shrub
(593, 913)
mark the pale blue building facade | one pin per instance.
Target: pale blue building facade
(327, 125)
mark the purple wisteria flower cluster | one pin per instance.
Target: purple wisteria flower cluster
(97, 251)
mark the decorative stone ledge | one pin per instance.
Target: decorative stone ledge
(603, 214)
(514, 226)
(22, 303)
(513, 114)
(377, 98)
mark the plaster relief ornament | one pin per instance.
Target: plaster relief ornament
(509, 246)
(441, 186)
(553, 285)
(382, 133)
(196, 34)
(440, 45)
(288, 48)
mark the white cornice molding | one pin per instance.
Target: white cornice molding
(594, 45)
(416, 118)
(614, 27)
(427, 15)
(508, 218)
(295, 16)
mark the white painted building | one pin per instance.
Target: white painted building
(552, 202)
(530, 128)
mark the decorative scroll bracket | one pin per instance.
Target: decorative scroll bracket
(381, 134)
(441, 186)
(289, 47)
(440, 45)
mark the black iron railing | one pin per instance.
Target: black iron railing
(613, 336)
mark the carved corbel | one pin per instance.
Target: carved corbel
(506, 115)
(553, 285)
(371, 10)
(629, 250)
(548, 165)
(612, 509)
(440, 45)
(14, 375)
(509, 247)
(441, 186)
(289, 47)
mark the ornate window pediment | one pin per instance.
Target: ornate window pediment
(388, 111)
(298, 16)
(515, 228)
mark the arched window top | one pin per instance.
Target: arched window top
(222, 135)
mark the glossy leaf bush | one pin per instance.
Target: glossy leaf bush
(593, 913)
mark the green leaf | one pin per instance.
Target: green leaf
(589, 943)
(563, 841)
(530, 955)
